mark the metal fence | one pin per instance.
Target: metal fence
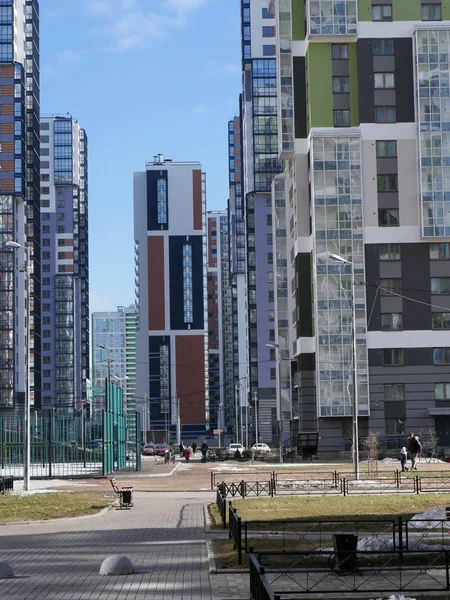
(295, 574)
(68, 444)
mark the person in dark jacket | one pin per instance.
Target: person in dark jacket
(181, 449)
(414, 448)
(204, 449)
(194, 448)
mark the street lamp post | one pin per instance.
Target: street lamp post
(276, 347)
(355, 428)
(27, 414)
(108, 350)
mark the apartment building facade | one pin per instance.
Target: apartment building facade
(19, 203)
(114, 355)
(172, 371)
(64, 263)
(364, 112)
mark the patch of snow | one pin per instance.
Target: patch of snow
(396, 597)
(425, 520)
(387, 461)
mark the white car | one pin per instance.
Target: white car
(231, 450)
(260, 447)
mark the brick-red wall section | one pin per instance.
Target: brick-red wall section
(156, 314)
(189, 350)
(197, 198)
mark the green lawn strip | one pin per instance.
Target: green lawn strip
(50, 506)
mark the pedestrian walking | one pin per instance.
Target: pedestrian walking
(187, 453)
(204, 450)
(194, 448)
(414, 448)
(403, 458)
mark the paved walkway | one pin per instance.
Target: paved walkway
(163, 535)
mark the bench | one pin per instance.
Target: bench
(125, 494)
(6, 484)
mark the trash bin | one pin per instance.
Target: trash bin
(345, 545)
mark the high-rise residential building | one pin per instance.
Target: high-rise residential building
(172, 370)
(257, 128)
(364, 109)
(114, 355)
(19, 202)
(220, 334)
(64, 263)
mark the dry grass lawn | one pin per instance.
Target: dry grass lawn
(50, 506)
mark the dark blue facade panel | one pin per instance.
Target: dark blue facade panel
(152, 200)
(177, 320)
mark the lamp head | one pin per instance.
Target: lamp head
(339, 259)
(12, 244)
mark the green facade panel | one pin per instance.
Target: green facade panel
(365, 10)
(446, 10)
(407, 10)
(298, 20)
(320, 85)
(354, 101)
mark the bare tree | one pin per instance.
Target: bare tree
(372, 443)
(429, 442)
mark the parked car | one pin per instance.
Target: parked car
(160, 449)
(231, 450)
(261, 448)
(148, 449)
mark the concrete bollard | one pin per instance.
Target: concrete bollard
(6, 571)
(117, 564)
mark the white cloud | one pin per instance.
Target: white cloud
(133, 25)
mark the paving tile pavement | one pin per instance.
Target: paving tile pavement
(163, 535)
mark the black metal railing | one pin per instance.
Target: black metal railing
(259, 586)
(235, 530)
(352, 571)
(6, 484)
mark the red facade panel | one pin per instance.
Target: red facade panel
(197, 198)
(190, 378)
(156, 314)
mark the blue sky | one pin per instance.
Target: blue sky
(142, 77)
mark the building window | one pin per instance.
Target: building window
(187, 283)
(441, 320)
(269, 50)
(393, 357)
(61, 242)
(383, 47)
(441, 356)
(442, 391)
(270, 276)
(388, 217)
(269, 239)
(439, 251)
(440, 285)
(60, 216)
(161, 193)
(386, 149)
(270, 295)
(385, 114)
(269, 220)
(271, 335)
(270, 258)
(46, 255)
(381, 12)
(45, 281)
(387, 183)
(46, 307)
(384, 81)
(391, 321)
(164, 377)
(46, 241)
(266, 14)
(46, 268)
(339, 51)
(394, 391)
(390, 286)
(271, 314)
(341, 118)
(431, 12)
(268, 32)
(273, 373)
(389, 251)
(340, 85)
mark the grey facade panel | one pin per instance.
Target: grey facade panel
(341, 101)
(340, 68)
(404, 80)
(416, 276)
(439, 268)
(391, 304)
(365, 79)
(388, 200)
(384, 98)
(383, 64)
(387, 166)
(440, 303)
(390, 268)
